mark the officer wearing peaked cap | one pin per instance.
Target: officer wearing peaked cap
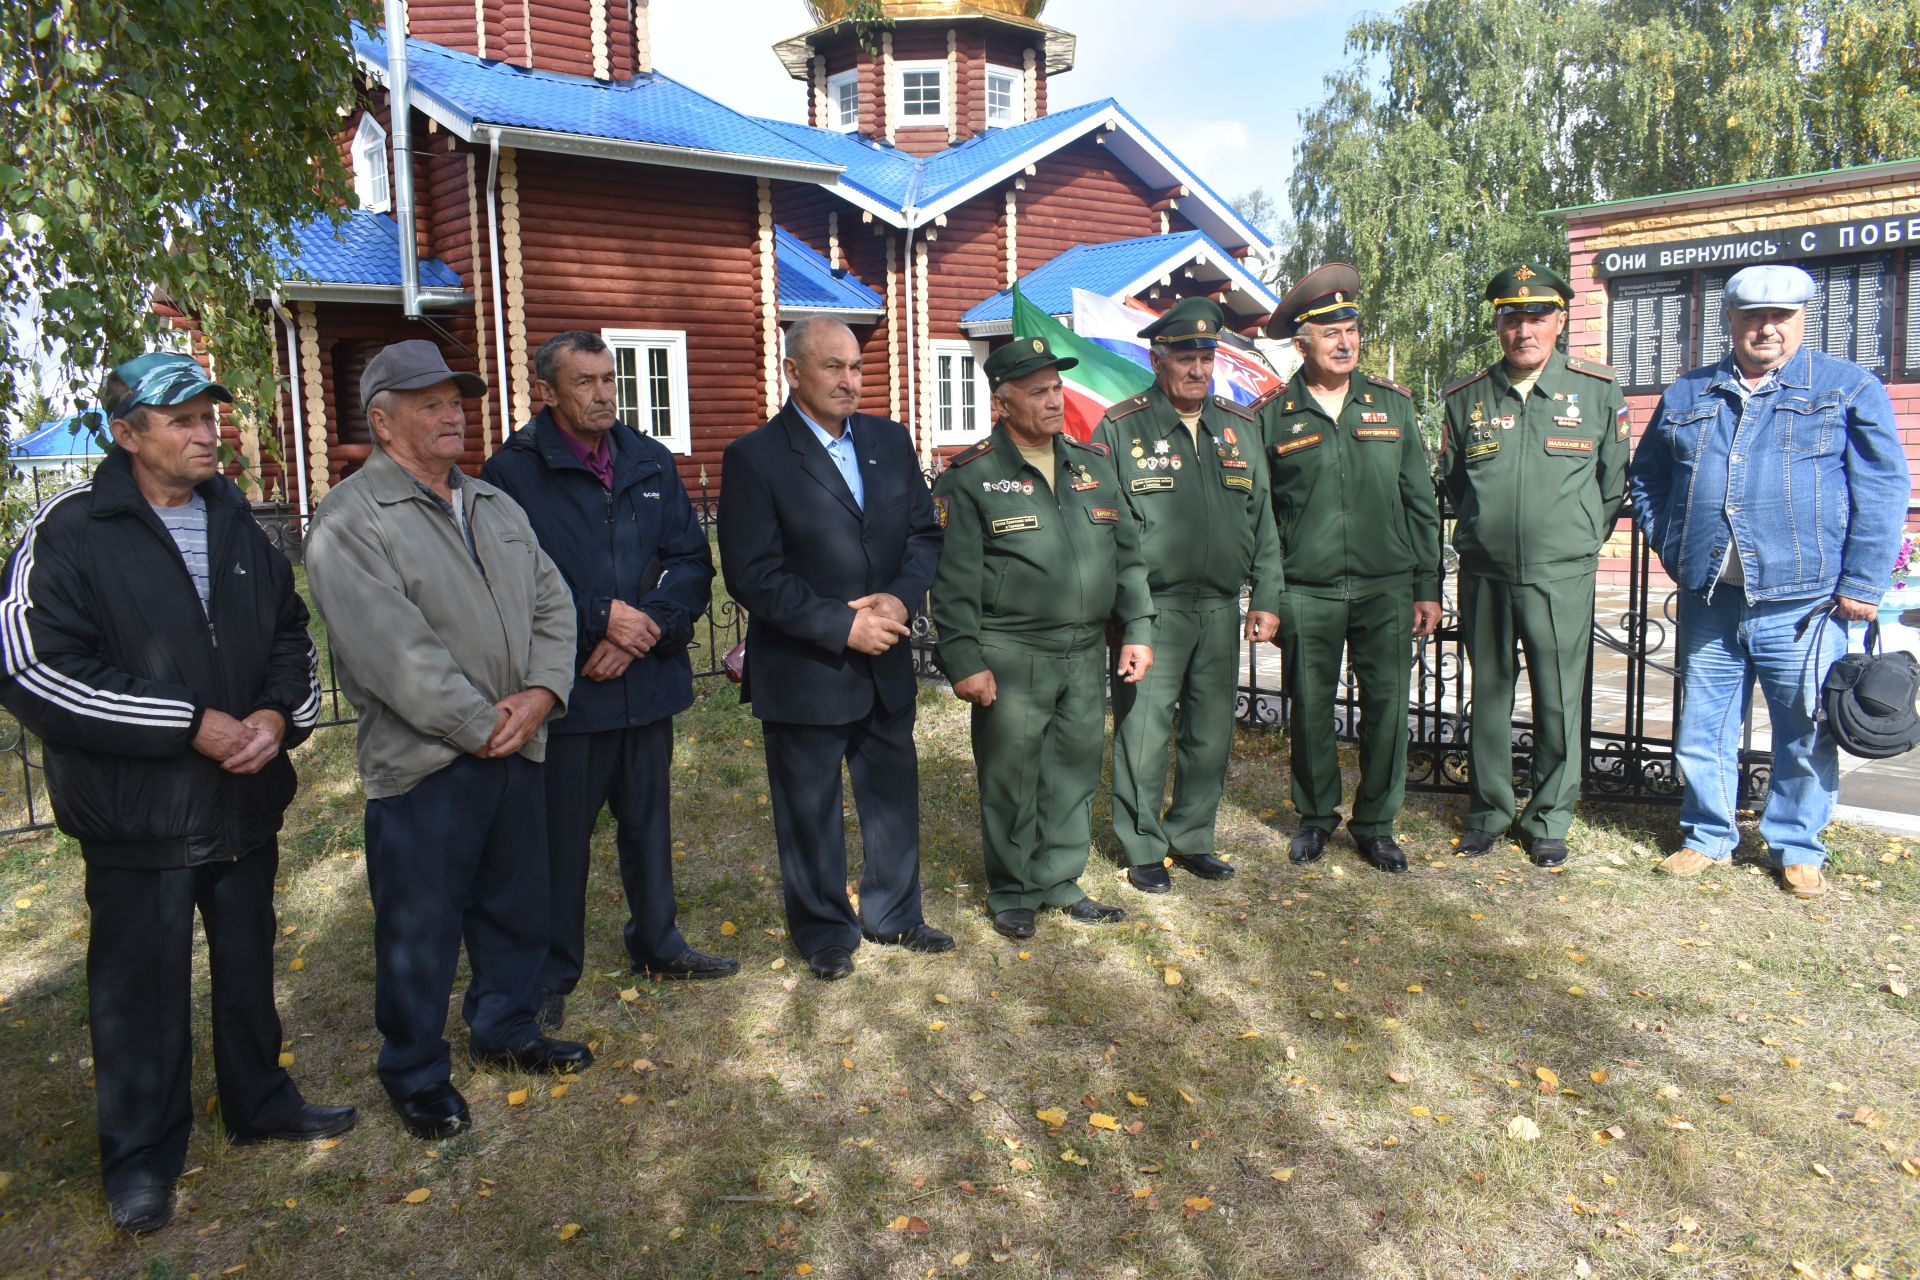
(1041, 556)
(1535, 467)
(1191, 473)
(1359, 534)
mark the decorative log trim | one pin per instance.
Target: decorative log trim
(893, 332)
(483, 331)
(512, 267)
(769, 302)
(315, 391)
(602, 64)
(1013, 237)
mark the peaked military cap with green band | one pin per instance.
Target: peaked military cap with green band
(1322, 296)
(1191, 324)
(1021, 357)
(1528, 289)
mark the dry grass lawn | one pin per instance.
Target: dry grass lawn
(1293, 1073)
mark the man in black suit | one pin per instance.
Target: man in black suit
(827, 538)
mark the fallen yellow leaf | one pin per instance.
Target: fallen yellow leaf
(1282, 1175)
(1137, 1099)
(847, 1063)
(1172, 976)
(1823, 1171)
(898, 1224)
(961, 1258)
(517, 1097)
(628, 1099)
(728, 928)
(629, 995)
(1070, 1156)
(940, 999)
(558, 1091)
(569, 1231)
(1547, 1077)
(286, 1059)
(1601, 1076)
(804, 1269)
(1790, 1063)
(1187, 1098)
(1101, 1120)
(418, 1195)
(296, 964)
(936, 1026)
(1249, 1035)
(1414, 988)
(1576, 991)
(1051, 1116)
(1522, 1129)
(1141, 1193)
(1199, 1204)
(326, 1144)
(779, 962)
(1802, 1269)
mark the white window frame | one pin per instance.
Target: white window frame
(837, 117)
(949, 425)
(897, 100)
(679, 436)
(1016, 94)
(371, 182)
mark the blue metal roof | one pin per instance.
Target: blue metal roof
(884, 173)
(984, 152)
(68, 439)
(651, 108)
(806, 281)
(1105, 269)
(364, 250)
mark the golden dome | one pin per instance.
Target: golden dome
(825, 11)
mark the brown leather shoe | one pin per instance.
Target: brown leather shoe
(1805, 881)
(1691, 862)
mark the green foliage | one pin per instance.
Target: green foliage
(1436, 150)
(160, 149)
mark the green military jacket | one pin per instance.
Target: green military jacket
(1535, 486)
(1023, 562)
(1353, 500)
(1206, 526)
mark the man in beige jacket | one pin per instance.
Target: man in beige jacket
(454, 637)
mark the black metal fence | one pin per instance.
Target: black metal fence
(1629, 707)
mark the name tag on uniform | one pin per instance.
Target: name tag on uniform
(1150, 484)
(1234, 464)
(1237, 482)
(1485, 449)
(1286, 447)
(1565, 422)
(1013, 524)
(1374, 416)
(1568, 444)
(1377, 433)
(1104, 515)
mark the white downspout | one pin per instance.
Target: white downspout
(299, 413)
(400, 99)
(913, 347)
(499, 310)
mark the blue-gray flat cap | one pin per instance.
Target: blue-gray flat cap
(1770, 286)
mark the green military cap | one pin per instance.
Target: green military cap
(1189, 324)
(1323, 295)
(1528, 288)
(163, 378)
(1021, 357)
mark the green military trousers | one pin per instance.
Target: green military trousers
(1036, 753)
(1552, 623)
(1196, 656)
(1376, 632)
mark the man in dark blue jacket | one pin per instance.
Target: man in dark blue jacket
(609, 508)
(153, 639)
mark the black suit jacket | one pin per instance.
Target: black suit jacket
(795, 549)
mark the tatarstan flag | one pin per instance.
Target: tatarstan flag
(1101, 379)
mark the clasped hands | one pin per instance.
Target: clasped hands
(879, 623)
(631, 634)
(240, 746)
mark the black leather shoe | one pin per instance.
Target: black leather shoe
(1151, 878)
(541, 1054)
(437, 1111)
(1476, 843)
(830, 964)
(142, 1206)
(1309, 843)
(1014, 922)
(1087, 911)
(691, 964)
(309, 1124)
(1204, 865)
(1382, 852)
(553, 1011)
(923, 938)
(1547, 853)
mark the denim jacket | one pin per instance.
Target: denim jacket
(1806, 477)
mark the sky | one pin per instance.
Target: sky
(1221, 83)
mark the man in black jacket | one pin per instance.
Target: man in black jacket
(153, 639)
(607, 505)
(828, 538)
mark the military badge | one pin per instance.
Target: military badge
(1622, 427)
(1229, 437)
(942, 507)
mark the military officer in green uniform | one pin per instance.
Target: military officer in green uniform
(1191, 471)
(1041, 554)
(1359, 532)
(1535, 466)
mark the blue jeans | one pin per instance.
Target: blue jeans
(1725, 645)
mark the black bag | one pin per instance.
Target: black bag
(1867, 701)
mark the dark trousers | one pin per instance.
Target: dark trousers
(1375, 633)
(139, 1001)
(803, 777)
(627, 770)
(461, 856)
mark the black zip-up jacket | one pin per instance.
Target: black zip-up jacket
(639, 542)
(106, 654)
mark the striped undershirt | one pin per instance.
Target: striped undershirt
(188, 525)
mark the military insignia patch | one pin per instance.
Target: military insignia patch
(1104, 515)
(1013, 524)
(1244, 483)
(1622, 427)
(942, 507)
(1304, 442)
(1524, 272)
(1377, 433)
(1485, 449)
(1150, 484)
(1375, 416)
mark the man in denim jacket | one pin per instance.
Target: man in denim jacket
(1774, 488)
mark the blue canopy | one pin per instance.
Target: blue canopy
(65, 441)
